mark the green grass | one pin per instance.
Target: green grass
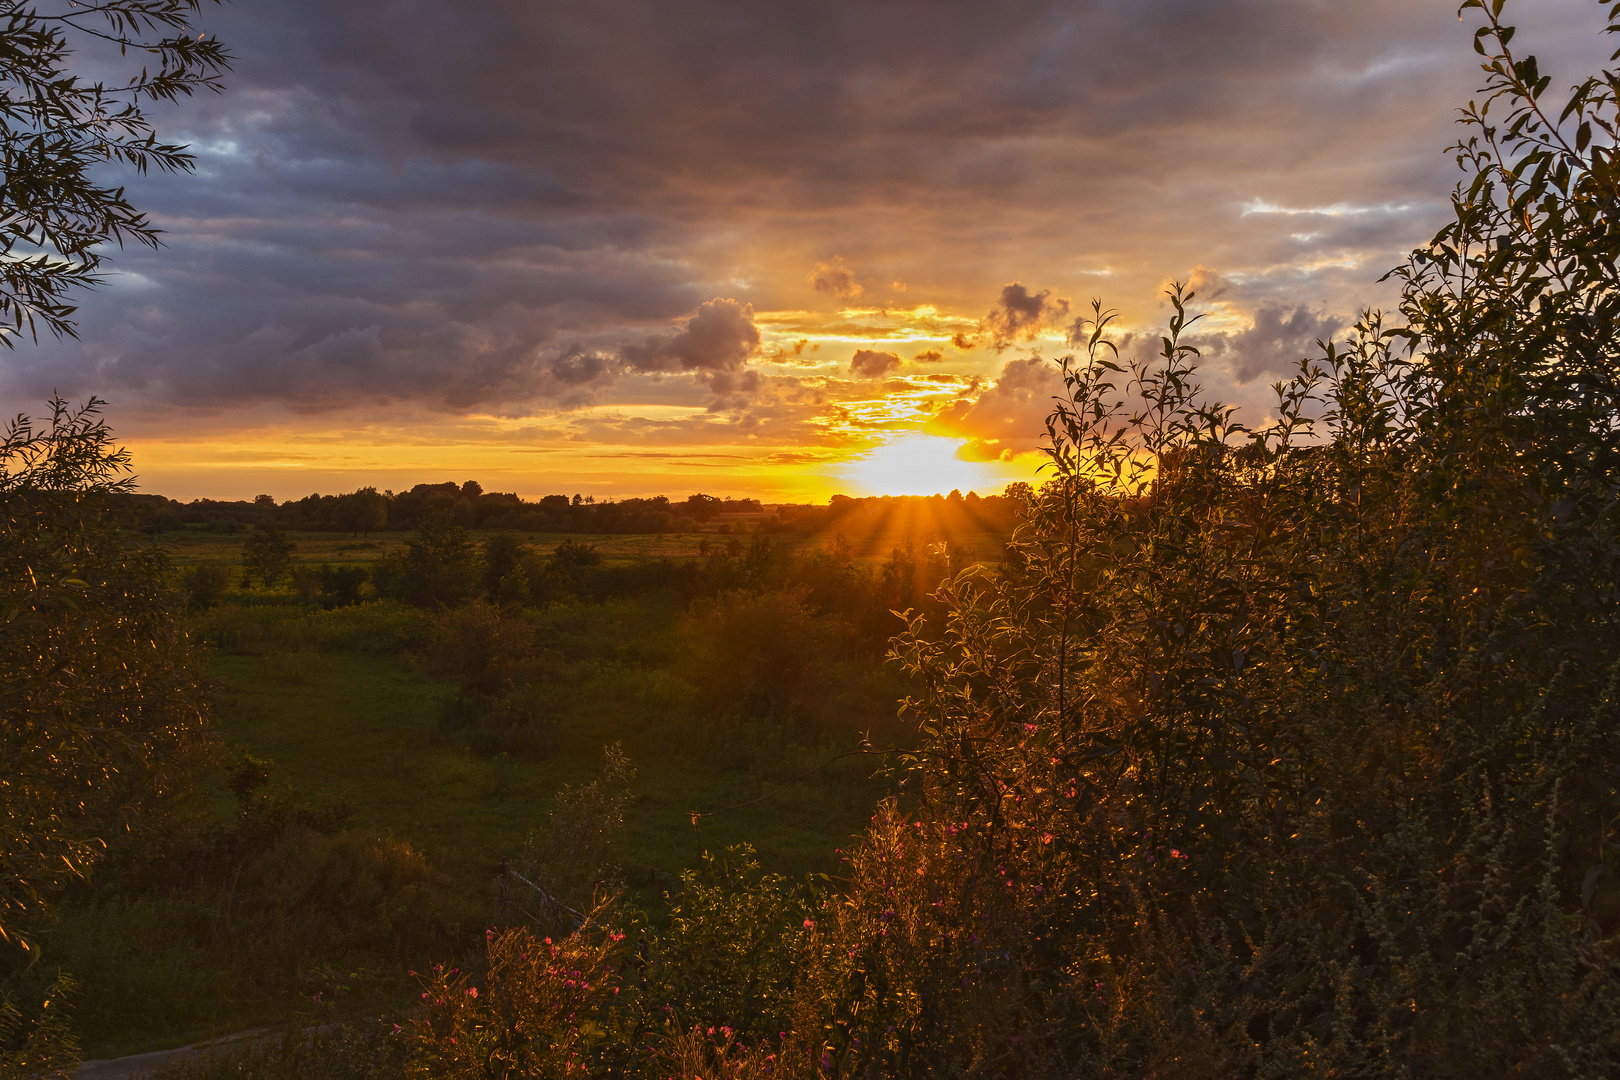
(340, 703)
(360, 729)
(867, 544)
(187, 547)
(345, 707)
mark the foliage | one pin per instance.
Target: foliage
(762, 653)
(380, 627)
(43, 1045)
(541, 1009)
(103, 704)
(568, 868)
(363, 511)
(291, 903)
(339, 586)
(729, 952)
(439, 566)
(266, 554)
(505, 580)
(57, 129)
(205, 584)
(507, 693)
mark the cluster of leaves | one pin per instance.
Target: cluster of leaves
(57, 128)
(103, 704)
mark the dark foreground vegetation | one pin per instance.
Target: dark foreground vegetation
(1262, 752)
(397, 719)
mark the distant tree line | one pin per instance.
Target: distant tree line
(469, 506)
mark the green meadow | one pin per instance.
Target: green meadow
(366, 805)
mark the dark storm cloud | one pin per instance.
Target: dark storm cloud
(719, 338)
(495, 204)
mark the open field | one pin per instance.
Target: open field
(867, 541)
(347, 708)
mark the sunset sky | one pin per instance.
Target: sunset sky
(767, 249)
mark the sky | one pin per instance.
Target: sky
(774, 250)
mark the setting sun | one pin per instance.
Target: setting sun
(920, 465)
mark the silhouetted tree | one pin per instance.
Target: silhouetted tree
(362, 511)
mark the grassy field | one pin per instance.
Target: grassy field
(344, 706)
(869, 539)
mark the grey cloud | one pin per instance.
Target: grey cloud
(436, 202)
(1273, 346)
(578, 366)
(835, 278)
(1019, 315)
(871, 364)
(718, 339)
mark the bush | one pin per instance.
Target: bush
(439, 567)
(105, 708)
(507, 697)
(287, 902)
(266, 554)
(40, 1043)
(339, 586)
(759, 654)
(567, 869)
(205, 585)
(541, 1008)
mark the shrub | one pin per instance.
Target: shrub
(507, 696)
(438, 568)
(758, 654)
(105, 709)
(305, 583)
(339, 586)
(40, 1043)
(541, 1008)
(567, 868)
(205, 584)
(266, 554)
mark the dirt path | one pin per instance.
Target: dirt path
(139, 1065)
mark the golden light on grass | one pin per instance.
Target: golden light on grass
(919, 465)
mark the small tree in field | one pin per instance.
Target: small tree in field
(438, 567)
(266, 554)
